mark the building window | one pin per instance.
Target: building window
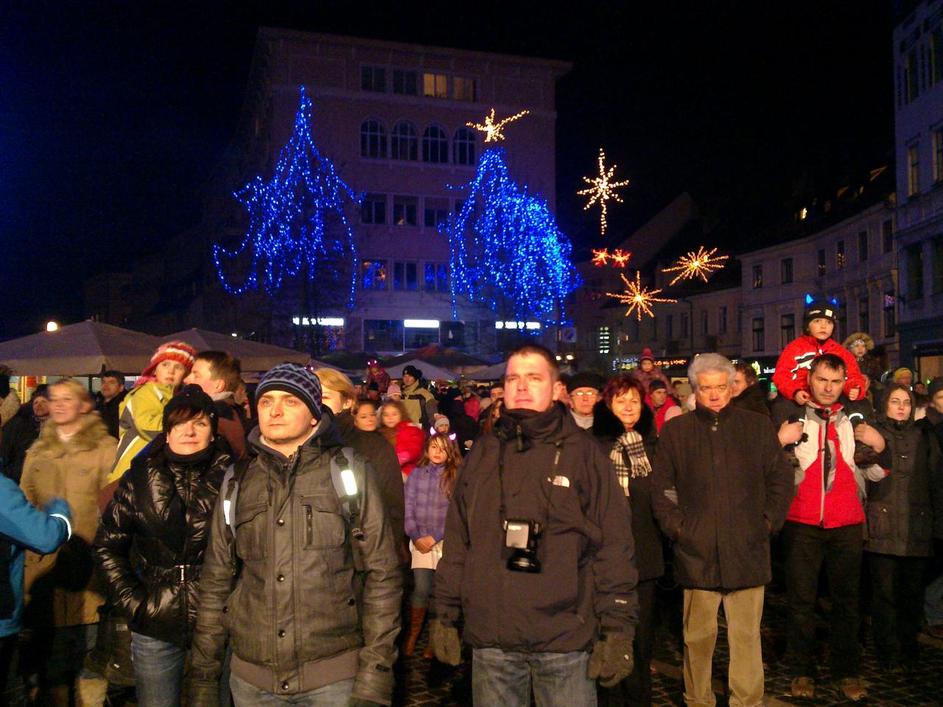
(435, 277)
(887, 236)
(704, 323)
(938, 155)
(758, 343)
(372, 139)
(913, 170)
(463, 88)
(937, 269)
(463, 147)
(757, 277)
(684, 325)
(435, 145)
(936, 54)
(404, 145)
(603, 340)
(785, 271)
(416, 337)
(373, 78)
(840, 255)
(890, 313)
(864, 315)
(862, 246)
(405, 209)
(841, 325)
(373, 274)
(383, 335)
(669, 327)
(405, 83)
(435, 212)
(822, 265)
(404, 277)
(373, 209)
(915, 272)
(458, 334)
(911, 77)
(787, 329)
(722, 320)
(435, 86)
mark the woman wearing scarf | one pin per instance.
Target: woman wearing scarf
(626, 427)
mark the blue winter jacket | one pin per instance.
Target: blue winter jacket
(24, 526)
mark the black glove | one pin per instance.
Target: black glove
(611, 660)
(445, 643)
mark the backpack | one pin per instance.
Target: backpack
(349, 494)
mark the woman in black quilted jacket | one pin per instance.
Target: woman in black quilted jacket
(152, 536)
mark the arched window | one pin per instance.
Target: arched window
(463, 147)
(372, 139)
(403, 142)
(435, 145)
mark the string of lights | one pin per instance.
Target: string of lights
(618, 258)
(494, 131)
(506, 250)
(699, 264)
(297, 219)
(639, 298)
(602, 189)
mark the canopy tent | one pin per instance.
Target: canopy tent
(253, 356)
(438, 355)
(490, 373)
(83, 349)
(429, 372)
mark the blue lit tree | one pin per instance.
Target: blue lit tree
(506, 250)
(298, 227)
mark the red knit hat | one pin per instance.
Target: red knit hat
(178, 351)
(646, 354)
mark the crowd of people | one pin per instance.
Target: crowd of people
(202, 545)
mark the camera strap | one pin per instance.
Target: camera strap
(548, 496)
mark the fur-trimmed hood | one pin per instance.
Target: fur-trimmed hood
(88, 437)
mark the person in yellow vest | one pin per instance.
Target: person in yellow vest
(142, 411)
(70, 460)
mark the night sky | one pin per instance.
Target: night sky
(113, 114)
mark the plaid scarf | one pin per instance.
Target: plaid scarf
(629, 447)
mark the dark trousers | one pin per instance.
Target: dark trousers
(7, 649)
(896, 604)
(637, 688)
(808, 547)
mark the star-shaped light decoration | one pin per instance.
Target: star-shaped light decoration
(639, 299)
(601, 189)
(491, 129)
(620, 257)
(699, 264)
(600, 257)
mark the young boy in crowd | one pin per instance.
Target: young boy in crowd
(791, 376)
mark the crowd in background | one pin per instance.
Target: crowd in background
(118, 552)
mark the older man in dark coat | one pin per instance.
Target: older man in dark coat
(721, 484)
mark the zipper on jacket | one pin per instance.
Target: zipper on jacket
(824, 456)
(309, 526)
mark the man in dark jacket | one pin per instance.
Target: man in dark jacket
(23, 430)
(219, 375)
(747, 391)
(540, 556)
(283, 576)
(108, 400)
(933, 598)
(720, 486)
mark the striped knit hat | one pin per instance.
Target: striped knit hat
(178, 351)
(294, 379)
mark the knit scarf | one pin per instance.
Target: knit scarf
(629, 446)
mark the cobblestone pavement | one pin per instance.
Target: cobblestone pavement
(424, 682)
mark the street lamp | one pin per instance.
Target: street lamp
(52, 326)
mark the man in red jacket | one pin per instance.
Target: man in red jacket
(824, 525)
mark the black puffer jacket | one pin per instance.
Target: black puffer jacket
(150, 544)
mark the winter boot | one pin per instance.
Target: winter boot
(416, 617)
(90, 692)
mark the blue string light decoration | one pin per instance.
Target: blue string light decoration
(505, 249)
(297, 219)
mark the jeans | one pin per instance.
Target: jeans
(506, 677)
(840, 549)
(158, 671)
(424, 581)
(896, 611)
(337, 694)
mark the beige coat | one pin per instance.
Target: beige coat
(61, 588)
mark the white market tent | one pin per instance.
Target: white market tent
(83, 349)
(490, 373)
(429, 372)
(253, 356)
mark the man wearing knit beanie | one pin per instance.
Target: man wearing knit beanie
(305, 511)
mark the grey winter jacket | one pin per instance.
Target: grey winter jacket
(298, 614)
